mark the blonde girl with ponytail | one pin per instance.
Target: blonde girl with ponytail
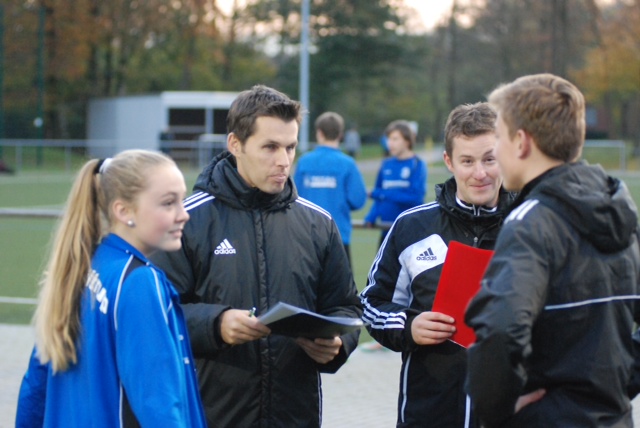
(111, 341)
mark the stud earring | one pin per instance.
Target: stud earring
(130, 223)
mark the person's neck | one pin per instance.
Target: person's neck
(490, 204)
(539, 166)
(329, 143)
(407, 154)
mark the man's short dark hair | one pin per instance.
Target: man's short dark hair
(257, 102)
(468, 120)
(331, 125)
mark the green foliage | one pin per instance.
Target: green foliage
(366, 62)
(358, 50)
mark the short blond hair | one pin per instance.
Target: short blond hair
(547, 107)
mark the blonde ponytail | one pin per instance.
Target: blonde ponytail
(86, 215)
(57, 317)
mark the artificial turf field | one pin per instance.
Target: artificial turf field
(24, 242)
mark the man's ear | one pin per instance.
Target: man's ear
(525, 144)
(233, 143)
(447, 161)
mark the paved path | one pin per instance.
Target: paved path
(16, 342)
(362, 394)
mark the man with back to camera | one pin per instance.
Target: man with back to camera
(331, 179)
(555, 314)
(469, 208)
(252, 242)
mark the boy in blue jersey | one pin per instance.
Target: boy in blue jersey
(331, 179)
(402, 180)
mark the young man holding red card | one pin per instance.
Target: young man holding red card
(403, 280)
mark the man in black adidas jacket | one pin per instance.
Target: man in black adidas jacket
(251, 242)
(555, 314)
(469, 208)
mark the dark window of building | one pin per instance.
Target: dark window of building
(220, 121)
(186, 117)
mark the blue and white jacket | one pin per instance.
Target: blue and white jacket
(403, 282)
(331, 179)
(133, 354)
(400, 185)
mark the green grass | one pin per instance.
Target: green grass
(24, 249)
(25, 241)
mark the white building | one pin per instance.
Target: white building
(142, 121)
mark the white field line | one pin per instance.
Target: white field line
(18, 300)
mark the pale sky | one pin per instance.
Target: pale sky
(431, 11)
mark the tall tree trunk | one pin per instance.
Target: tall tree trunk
(51, 88)
(559, 41)
(452, 62)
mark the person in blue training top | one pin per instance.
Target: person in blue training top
(111, 341)
(402, 180)
(330, 178)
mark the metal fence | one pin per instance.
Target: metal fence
(196, 153)
(611, 144)
(19, 146)
(43, 213)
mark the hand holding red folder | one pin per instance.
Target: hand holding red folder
(459, 282)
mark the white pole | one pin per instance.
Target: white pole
(304, 76)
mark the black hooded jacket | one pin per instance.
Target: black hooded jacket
(243, 248)
(557, 306)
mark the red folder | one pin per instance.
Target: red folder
(462, 273)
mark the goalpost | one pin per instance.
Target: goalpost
(606, 152)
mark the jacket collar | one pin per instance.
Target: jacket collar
(221, 179)
(447, 198)
(115, 241)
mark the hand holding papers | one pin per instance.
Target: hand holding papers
(459, 282)
(289, 320)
